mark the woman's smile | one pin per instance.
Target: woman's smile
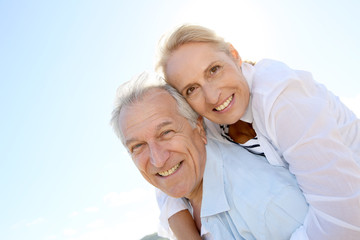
(225, 105)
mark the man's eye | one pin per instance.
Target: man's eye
(214, 69)
(136, 147)
(166, 132)
(190, 90)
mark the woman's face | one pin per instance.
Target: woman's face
(210, 80)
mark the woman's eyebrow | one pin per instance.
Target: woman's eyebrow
(186, 87)
(204, 74)
(209, 66)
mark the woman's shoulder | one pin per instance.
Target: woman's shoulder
(270, 79)
(269, 63)
(270, 72)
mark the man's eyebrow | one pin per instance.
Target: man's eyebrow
(129, 141)
(163, 124)
(158, 127)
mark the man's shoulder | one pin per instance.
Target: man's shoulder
(248, 169)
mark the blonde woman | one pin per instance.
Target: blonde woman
(272, 110)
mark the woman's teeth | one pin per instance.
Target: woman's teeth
(225, 104)
(170, 171)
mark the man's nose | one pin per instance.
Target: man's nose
(211, 93)
(158, 154)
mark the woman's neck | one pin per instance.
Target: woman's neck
(241, 131)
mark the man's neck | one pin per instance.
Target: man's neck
(195, 200)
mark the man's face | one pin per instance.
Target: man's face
(168, 152)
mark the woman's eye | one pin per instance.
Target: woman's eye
(190, 90)
(214, 69)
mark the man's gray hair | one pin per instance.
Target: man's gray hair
(134, 90)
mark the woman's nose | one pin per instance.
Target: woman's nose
(211, 93)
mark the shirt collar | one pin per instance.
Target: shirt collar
(248, 72)
(214, 199)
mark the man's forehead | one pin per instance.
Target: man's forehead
(155, 101)
(155, 110)
(154, 96)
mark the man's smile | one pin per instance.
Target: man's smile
(170, 171)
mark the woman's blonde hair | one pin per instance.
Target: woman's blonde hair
(187, 34)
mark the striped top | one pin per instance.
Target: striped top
(251, 145)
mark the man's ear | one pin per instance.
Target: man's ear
(234, 53)
(201, 128)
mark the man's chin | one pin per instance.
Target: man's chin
(176, 193)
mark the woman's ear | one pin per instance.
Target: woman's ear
(234, 53)
(201, 128)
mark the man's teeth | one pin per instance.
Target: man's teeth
(225, 104)
(170, 171)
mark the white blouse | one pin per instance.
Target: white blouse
(302, 126)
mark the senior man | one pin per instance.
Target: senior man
(233, 194)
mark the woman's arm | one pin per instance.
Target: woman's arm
(183, 226)
(324, 168)
(302, 124)
(175, 218)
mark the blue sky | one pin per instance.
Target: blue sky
(63, 173)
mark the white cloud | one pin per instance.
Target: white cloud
(114, 199)
(18, 225)
(137, 224)
(26, 223)
(134, 222)
(91, 209)
(34, 222)
(108, 233)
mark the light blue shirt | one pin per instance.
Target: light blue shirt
(244, 197)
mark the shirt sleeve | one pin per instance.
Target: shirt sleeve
(168, 206)
(300, 122)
